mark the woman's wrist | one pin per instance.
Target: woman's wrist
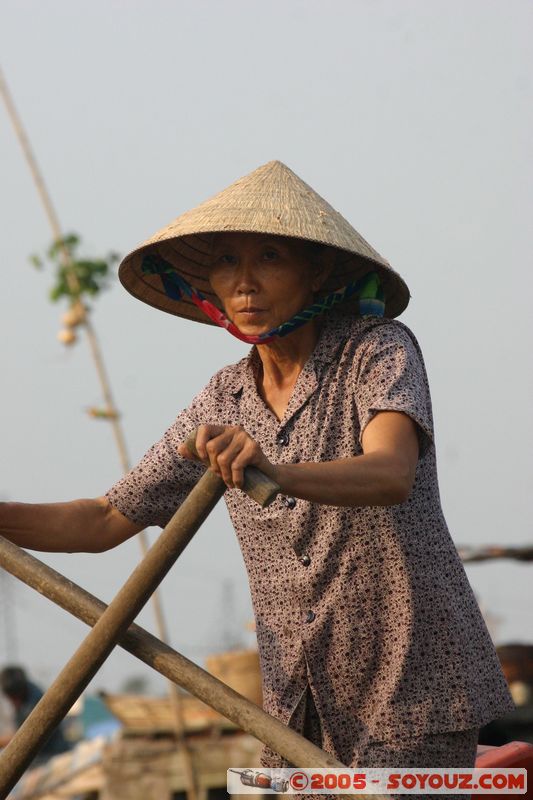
(282, 474)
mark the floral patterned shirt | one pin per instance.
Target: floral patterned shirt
(369, 606)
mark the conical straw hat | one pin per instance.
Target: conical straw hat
(271, 200)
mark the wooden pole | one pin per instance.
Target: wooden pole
(118, 616)
(174, 666)
(121, 612)
(105, 385)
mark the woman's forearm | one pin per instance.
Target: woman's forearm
(90, 525)
(382, 476)
(375, 479)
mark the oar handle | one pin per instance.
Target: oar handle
(256, 485)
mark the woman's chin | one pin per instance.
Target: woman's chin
(253, 330)
(253, 324)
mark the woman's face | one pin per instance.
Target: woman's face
(262, 280)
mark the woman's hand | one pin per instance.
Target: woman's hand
(227, 450)
(382, 476)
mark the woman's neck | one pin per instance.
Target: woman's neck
(283, 359)
(281, 363)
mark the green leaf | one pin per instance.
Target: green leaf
(92, 275)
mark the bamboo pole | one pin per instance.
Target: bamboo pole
(174, 666)
(118, 616)
(105, 385)
(99, 643)
(73, 282)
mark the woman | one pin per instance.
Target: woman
(370, 638)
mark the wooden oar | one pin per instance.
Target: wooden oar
(245, 714)
(118, 616)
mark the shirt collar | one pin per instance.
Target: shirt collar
(336, 328)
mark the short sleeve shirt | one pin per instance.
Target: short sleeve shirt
(368, 606)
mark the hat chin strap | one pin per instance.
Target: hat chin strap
(367, 289)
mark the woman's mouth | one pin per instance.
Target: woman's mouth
(251, 311)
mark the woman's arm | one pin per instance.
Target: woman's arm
(79, 526)
(382, 476)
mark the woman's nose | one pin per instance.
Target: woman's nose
(246, 277)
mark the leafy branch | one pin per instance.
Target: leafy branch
(75, 277)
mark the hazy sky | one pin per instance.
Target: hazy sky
(414, 118)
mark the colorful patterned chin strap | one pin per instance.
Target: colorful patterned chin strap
(367, 289)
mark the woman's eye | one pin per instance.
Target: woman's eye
(225, 258)
(270, 255)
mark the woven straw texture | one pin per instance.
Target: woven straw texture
(271, 200)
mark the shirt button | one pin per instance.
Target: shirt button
(305, 560)
(290, 502)
(283, 439)
(310, 616)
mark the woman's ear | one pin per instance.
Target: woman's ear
(323, 264)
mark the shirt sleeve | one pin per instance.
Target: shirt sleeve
(152, 491)
(392, 377)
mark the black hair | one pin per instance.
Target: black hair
(316, 251)
(13, 682)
